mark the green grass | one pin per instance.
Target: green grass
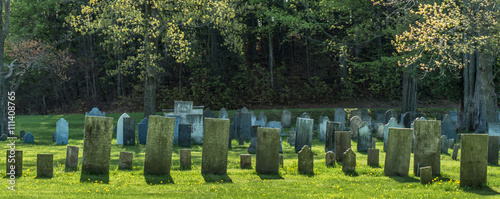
(327, 182)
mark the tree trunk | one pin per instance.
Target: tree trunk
(3, 104)
(271, 58)
(4, 31)
(149, 80)
(409, 91)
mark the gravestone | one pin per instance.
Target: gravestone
(291, 138)
(306, 160)
(97, 145)
(322, 129)
(276, 125)
(196, 122)
(455, 152)
(262, 120)
(444, 145)
(54, 137)
(208, 114)
(451, 142)
(391, 124)
(223, 113)
(493, 149)
(254, 118)
(374, 144)
(62, 131)
(267, 157)
(14, 167)
(44, 165)
(380, 131)
(119, 129)
(160, 140)
(331, 128)
(21, 134)
(397, 158)
(340, 116)
(426, 174)
(439, 116)
(71, 158)
(494, 128)
(373, 157)
(185, 158)
(142, 128)
(356, 112)
(244, 110)
(305, 115)
(342, 143)
(125, 161)
(453, 115)
(364, 137)
(245, 161)
(253, 143)
(356, 123)
(391, 113)
(286, 119)
(427, 151)
(129, 131)
(215, 145)
(304, 133)
(183, 108)
(348, 161)
(448, 127)
(178, 119)
(197, 110)
(95, 112)
(330, 159)
(3, 137)
(244, 127)
(185, 135)
(408, 118)
(379, 116)
(474, 160)
(29, 138)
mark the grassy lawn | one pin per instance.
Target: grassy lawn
(327, 182)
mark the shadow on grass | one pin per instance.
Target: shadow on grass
(351, 173)
(222, 178)
(404, 179)
(375, 166)
(158, 179)
(481, 190)
(270, 177)
(92, 178)
(493, 165)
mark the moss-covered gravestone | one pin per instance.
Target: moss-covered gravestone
(425, 175)
(474, 160)
(44, 165)
(267, 157)
(72, 158)
(129, 131)
(97, 145)
(373, 157)
(304, 134)
(330, 159)
(356, 123)
(159, 143)
(286, 118)
(455, 152)
(493, 149)
(427, 146)
(215, 145)
(306, 161)
(342, 143)
(185, 158)
(245, 161)
(349, 161)
(364, 137)
(125, 161)
(331, 127)
(397, 159)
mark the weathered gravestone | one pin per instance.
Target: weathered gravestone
(427, 151)
(183, 108)
(128, 131)
(397, 158)
(455, 152)
(444, 144)
(281, 160)
(304, 133)
(322, 129)
(426, 174)
(185, 135)
(380, 131)
(348, 161)
(331, 127)
(95, 112)
(356, 123)
(119, 129)
(305, 115)
(448, 127)
(3, 137)
(306, 160)
(267, 157)
(286, 119)
(276, 125)
(253, 143)
(223, 113)
(474, 160)
(197, 110)
(14, 167)
(340, 116)
(245, 161)
(453, 116)
(215, 145)
(44, 165)
(374, 144)
(391, 113)
(71, 158)
(408, 118)
(364, 137)
(244, 110)
(494, 128)
(243, 127)
(96, 146)
(185, 158)
(493, 149)
(178, 119)
(391, 124)
(373, 157)
(291, 138)
(451, 142)
(208, 113)
(262, 120)
(379, 116)
(196, 122)
(330, 159)
(29, 138)
(142, 128)
(62, 131)
(125, 161)
(342, 143)
(160, 140)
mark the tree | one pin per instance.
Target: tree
(459, 36)
(6, 71)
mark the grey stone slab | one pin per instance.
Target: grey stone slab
(427, 151)
(397, 158)
(44, 165)
(129, 131)
(493, 149)
(348, 161)
(305, 115)
(455, 152)
(426, 175)
(277, 125)
(453, 115)
(494, 128)
(474, 160)
(444, 144)
(208, 113)
(322, 129)
(252, 149)
(331, 127)
(364, 137)
(96, 112)
(391, 124)
(306, 161)
(380, 131)
(356, 123)
(97, 145)
(286, 119)
(342, 143)
(185, 135)
(373, 157)
(142, 128)
(178, 119)
(340, 116)
(291, 138)
(196, 122)
(330, 159)
(304, 133)
(62, 131)
(215, 146)
(267, 157)
(119, 129)
(29, 138)
(185, 158)
(71, 158)
(245, 161)
(223, 113)
(125, 160)
(183, 108)
(244, 127)
(448, 127)
(160, 141)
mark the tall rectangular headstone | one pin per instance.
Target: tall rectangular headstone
(196, 122)
(183, 108)
(304, 133)
(185, 135)
(364, 137)
(71, 158)
(331, 127)
(267, 157)
(129, 131)
(142, 129)
(474, 160)
(215, 145)
(348, 161)
(494, 128)
(340, 116)
(397, 159)
(97, 145)
(119, 129)
(291, 138)
(355, 125)
(448, 127)
(493, 149)
(176, 131)
(286, 119)
(427, 151)
(244, 126)
(253, 143)
(44, 165)
(444, 144)
(185, 158)
(160, 140)
(342, 143)
(306, 160)
(125, 160)
(62, 131)
(322, 129)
